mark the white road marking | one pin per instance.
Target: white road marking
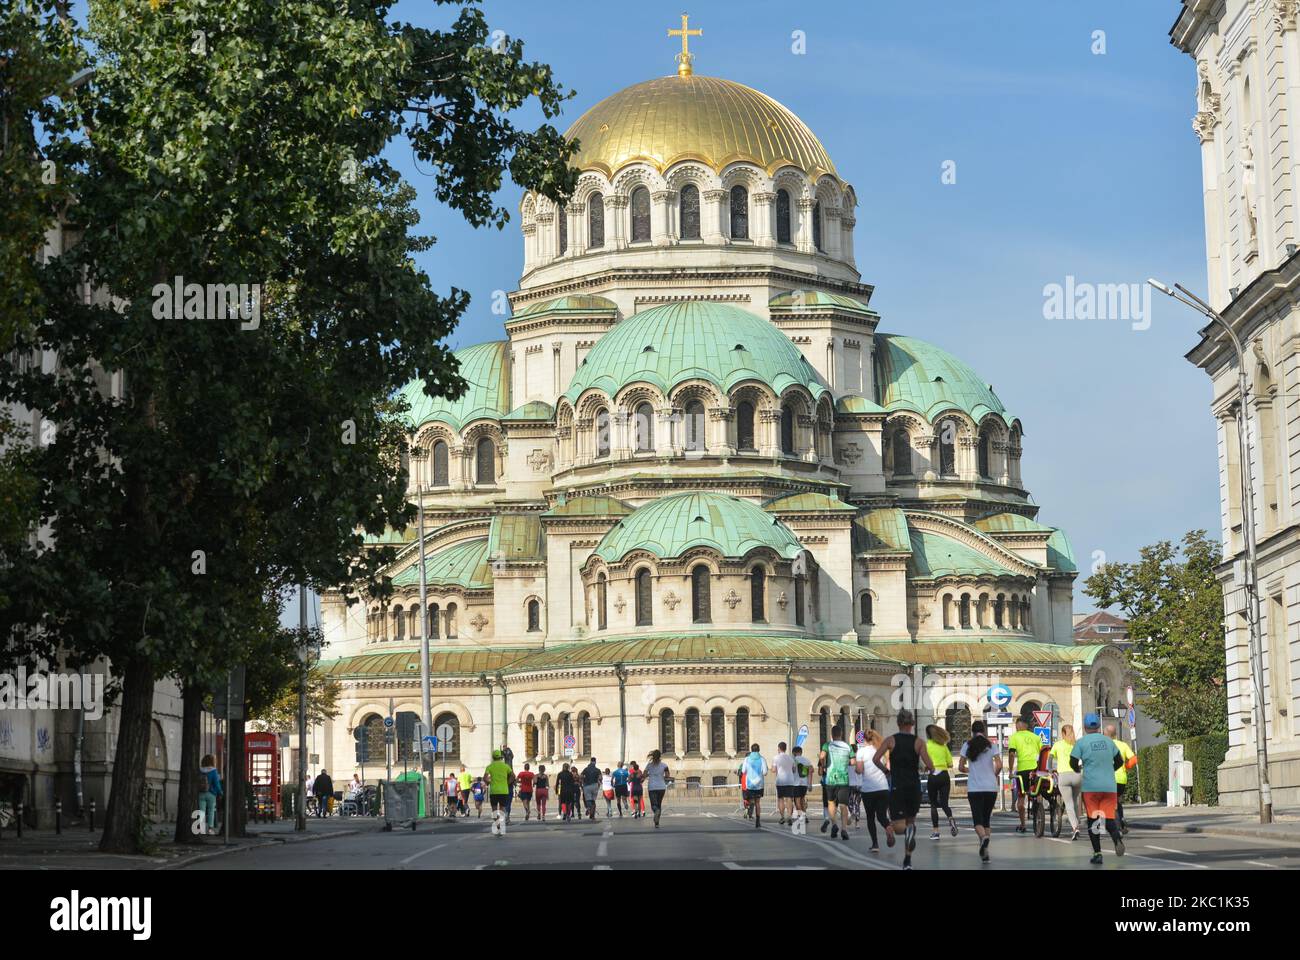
(416, 856)
(602, 866)
(603, 849)
(832, 847)
(1176, 863)
(735, 866)
(1152, 846)
(1260, 863)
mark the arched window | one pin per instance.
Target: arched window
(787, 430)
(644, 424)
(783, 216)
(399, 624)
(742, 730)
(451, 621)
(965, 611)
(985, 454)
(601, 596)
(550, 734)
(440, 472)
(485, 459)
(667, 734)
(640, 205)
(866, 610)
(1024, 616)
(1027, 710)
(692, 732)
(584, 733)
(534, 616)
(695, 426)
(701, 606)
(824, 724)
(404, 731)
(817, 225)
(798, 600)
(688, 209)
(739, 213)
(998, 607)
(717, 731)
(956, 721)
(948, 449)
(595, 221)
(758, 595)
(563, 217)
(371, 742)
(602, 432)
(530, 737)
(1013, 610)
(902, 448)
(644, 613)
(745, 426)
(434, 626)
(449, 719)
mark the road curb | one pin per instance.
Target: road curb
(1212, 830)
(269, 842)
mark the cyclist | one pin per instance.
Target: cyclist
(1022, 753)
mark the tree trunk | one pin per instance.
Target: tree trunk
(126, 799)
(187, 797)
(238, 776)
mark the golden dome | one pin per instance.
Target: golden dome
(708, 119)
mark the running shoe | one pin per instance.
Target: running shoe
(1096, 858)
(909, 836)
(953, 825)
(835, 831)
(1020, 829)
(1076, 835)
(875, 848)
(935, 835)
(907, 862)
(984, 849)
(825, 825)
(1119, 847)
(757, 822)
(845, 836)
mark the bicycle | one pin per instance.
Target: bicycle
(1044, 809)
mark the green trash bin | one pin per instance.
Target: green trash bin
(414, 775)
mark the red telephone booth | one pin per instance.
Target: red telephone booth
(262, 753)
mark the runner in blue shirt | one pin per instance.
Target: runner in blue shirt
(620, 786)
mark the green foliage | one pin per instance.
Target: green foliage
(1206, 754)
(272, 693)
(1153, 772)
(1174, 606)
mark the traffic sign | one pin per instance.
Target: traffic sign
(388, 721)
(430, 744)
(862, 736)
(999, 695)
(445, 735)
(1044, 734)
(570, 742)
(1043, 718)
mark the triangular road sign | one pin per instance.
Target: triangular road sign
(1042, 718)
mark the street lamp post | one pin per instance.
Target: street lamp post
(1254, 645)
(419, 456)
(308, 650)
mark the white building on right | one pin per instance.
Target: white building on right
(1247, 55)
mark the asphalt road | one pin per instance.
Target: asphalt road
(721, 841)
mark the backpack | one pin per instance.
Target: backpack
(202, 782)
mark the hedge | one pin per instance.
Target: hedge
(1206, 753)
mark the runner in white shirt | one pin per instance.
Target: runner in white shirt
(803, 783)
(607, 791)
(786, 781)
(656, 783)
(875, 790)
(855, 791)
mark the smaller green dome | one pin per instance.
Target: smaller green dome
(574, 303)
(671, 525)
(818, 299)
(920, 377)
(694, 340)
(485, 370)
(464, 564)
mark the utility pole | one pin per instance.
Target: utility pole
(300, 820)
(426, 697)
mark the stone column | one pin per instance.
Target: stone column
(665, 443)
(848, 222)
(545, 237)
(530, 246)
(661, 233)
(577, 236)
(831, 232)
(803, 238)
(718, 438)
(762, 223)
(620, 440)
(616, 228)
(769, 428)
(927, 443)
(808, 434)
(1285, 15)
(711, 206)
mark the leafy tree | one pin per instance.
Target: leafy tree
(241, 142)
(1174, 606)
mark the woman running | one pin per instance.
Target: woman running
(635, 784)
(875, 790)
(855, 792)
(542, 790)
(607, 791)
(1067, 779)
(940, 782)
(983, 766)
(656, 783)
(564, 784)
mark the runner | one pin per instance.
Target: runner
(542, 791)
(526, 780)
(607, 791)
(455, 800)
(906, 757)
(803, 769)
(476, 791)
(620, 786)
(1066, 779)
(982, 765)
(564, 787)
(744, 797)
(656, 783)
(465, 780)
(755, 768)
(1121, 775)
(786, 778)
(875, 789)
(834, 760)
(500, 780)
(1022, 758)
(591, 787)
(855, 792)
(1097, 758)
(636, 785)
(936, 745)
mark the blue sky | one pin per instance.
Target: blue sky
(1068, 163)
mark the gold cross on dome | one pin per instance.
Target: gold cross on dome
(684, 58)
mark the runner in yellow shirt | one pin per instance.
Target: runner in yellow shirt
(1121, 775)
(940, 782)
(465, 780)
(1023, 749)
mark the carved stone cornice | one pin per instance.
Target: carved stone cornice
(1284, 14)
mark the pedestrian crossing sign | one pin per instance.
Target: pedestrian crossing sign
(1044, 734)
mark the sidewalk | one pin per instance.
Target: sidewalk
(78, 848)
(1224, 821)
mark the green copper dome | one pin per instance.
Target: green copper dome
(670, 526)
(667, 345)
(485, 369)
(918, 376)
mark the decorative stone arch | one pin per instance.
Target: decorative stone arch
(745, 174)
(693, 172)
(795, 181)
(637, 175)
(471, 435)
(591, 181)
(1035, 694)
(828, 192)
(707, 556)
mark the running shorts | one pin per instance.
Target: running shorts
(752, 795)
(1022, 780)
(609, 794)
(981, 807)
(525, 795)
(785, 792)
(500, 801)
(837, 793)
(1099, 804)
(904, 801)
(800, 791)
(620, 790)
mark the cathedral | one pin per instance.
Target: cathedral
(694, 498)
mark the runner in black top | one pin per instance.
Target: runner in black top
(907, 754)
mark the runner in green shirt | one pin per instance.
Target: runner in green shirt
(835, 757)
(500, 780)
(1023, 748)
